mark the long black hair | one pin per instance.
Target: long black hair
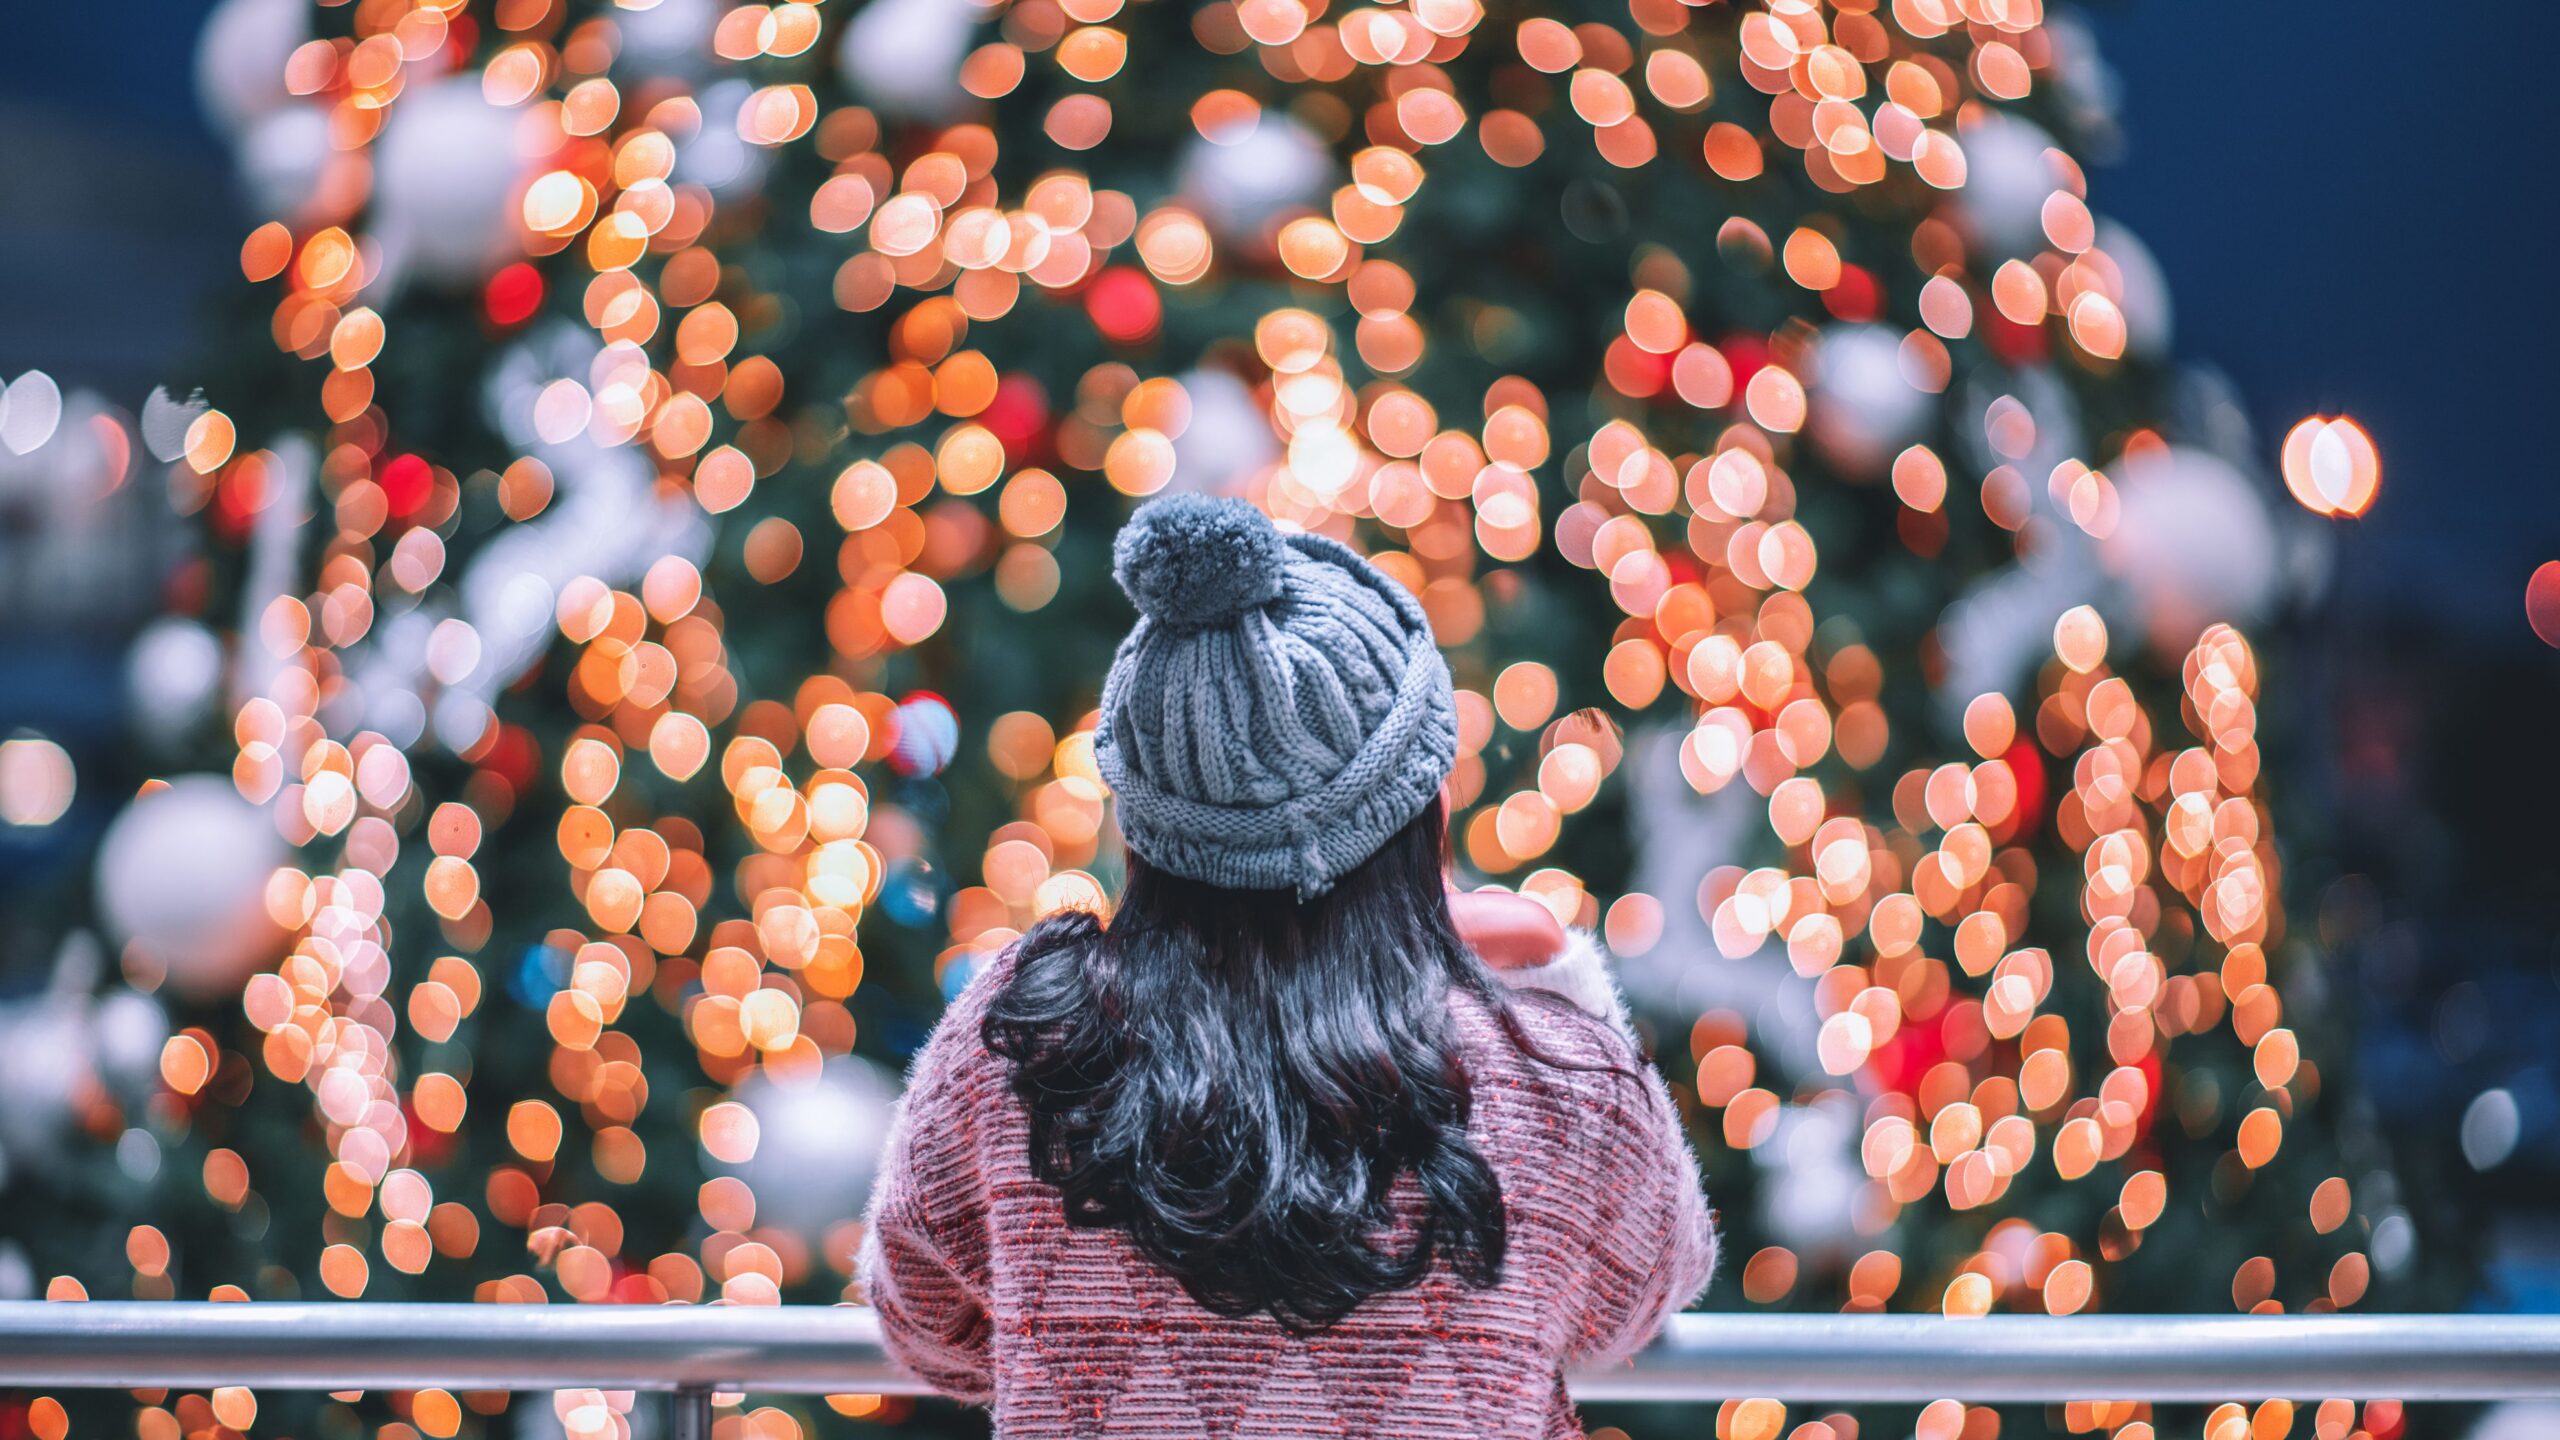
(1236, 1079)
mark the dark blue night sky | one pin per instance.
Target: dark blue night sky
(2343, 196)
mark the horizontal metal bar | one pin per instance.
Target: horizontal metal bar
(836, 1350)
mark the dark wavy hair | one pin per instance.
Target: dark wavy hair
(1236, 1079)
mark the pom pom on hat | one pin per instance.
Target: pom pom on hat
(1196, 561)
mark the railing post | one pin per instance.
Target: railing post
(692, 1412)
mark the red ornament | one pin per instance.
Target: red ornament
(634, 1287)
(461, 38)
(428, 1146)
(406, 483)
(2149, 1065)
(513, 295)
(2011, 342)
(2026, 765)
(1856, 297)
(1018, 417)
(2542, 602)
(510, 753)
(239, 493)
(1898, 1063)
(1745, 354)
(1124, 305)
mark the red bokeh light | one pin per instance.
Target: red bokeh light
(2542, 602)
(406, 483)
(1124, 305)
(1018, 416)
(1856, 297)
(513, 294)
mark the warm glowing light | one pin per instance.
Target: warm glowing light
(2331, 466)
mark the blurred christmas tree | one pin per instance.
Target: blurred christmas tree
(666, 482)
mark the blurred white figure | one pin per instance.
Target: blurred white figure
(1679, 836)
(182, 874)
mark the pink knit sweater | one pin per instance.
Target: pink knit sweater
(985, 1292)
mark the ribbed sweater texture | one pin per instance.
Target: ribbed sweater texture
(984, 1290)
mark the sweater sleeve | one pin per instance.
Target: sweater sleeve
(1658, 1249)
(924, 1259)
(1661, 1251)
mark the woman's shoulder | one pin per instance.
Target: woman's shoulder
(955, 1054)
(1566, 1024)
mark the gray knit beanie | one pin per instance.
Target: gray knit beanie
(1280, 710)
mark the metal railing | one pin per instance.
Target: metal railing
(696, 1350)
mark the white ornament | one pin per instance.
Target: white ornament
(44, 1065)
(2193, 544)
(30, 411)
(606, 520)
(127, 1030)
(1248, 176)
(2145, 301)
(182, 874)
(70, 554)
(241, 55)
(1229, 439)
(817, 1143)
(2009, 173)
(902, 57)
(715, 156)
(165, 421)
(1864, 409)
(2518, 1420)
(2090, 91)
(672, 37)
(445, 178)
(1810, 1204)
(2048, 406)
(172, 674)
(550, 350)
(282, 159)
